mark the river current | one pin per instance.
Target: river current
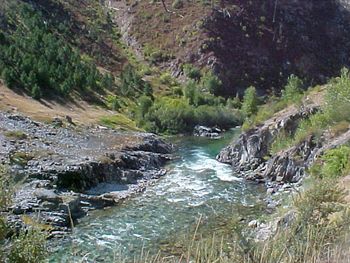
(196, 186)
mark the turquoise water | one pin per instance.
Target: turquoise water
(196, 186)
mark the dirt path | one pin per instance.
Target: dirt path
(80, 111)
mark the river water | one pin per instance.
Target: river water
(196, 186)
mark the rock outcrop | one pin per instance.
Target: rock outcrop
(250, 154)
(210, 132)
(65, 173)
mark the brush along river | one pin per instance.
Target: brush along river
(196, 186)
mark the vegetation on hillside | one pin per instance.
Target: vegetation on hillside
(190, 104)
(18, 245)
(39, 61)
(334, 115)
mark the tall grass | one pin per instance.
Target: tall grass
(319, 232)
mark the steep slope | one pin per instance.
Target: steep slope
(244, 42)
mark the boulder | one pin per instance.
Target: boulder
(210, 132)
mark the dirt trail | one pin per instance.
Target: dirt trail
(80, 111)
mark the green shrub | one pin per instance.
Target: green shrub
(211, 83)
(132, 84)
(113, 102)
(250, 102)
(282, 141)
(337, 106)
(191, 92)
(234, 103)
(171, 116)
(176, 115)
(336, 162)
(166, 79)
(192, 72)
(216, 116)
(293, 92)
(28, 247)
(144, 104)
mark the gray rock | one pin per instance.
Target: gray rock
(47, 195)
(65, 159)
(250, 156)
(210, 132)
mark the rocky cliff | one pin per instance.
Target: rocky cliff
(250, 155)
(66, 172)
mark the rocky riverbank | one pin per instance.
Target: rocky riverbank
(65, 172)
(250, 155)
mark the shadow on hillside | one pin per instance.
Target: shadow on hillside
(260, 43)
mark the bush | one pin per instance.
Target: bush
(132, 84)
(211, 83)
(191, 93)
(166, 79)
(334, 163)
(176, 115)
(26, 247)
(293, 92)
(216, 116)
(234, 103)
(144, 104)
(171, 116)
(337, 98)
(250, 102)
(192, 72)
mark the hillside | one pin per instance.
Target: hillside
(90, 90)
(244, 42)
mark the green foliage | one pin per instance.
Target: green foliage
(333, 164)
(281, 142)
(113, 103)
(28, 247)
(191, 93)
(132, 84)
(292, 92)
(211, 83)
(250, 102)
(177, 115)
(170, 115)
(155, 56)
(192, 72)
(334, 114)
(216, 116)
(167, 79)
(234, 103)
(338, 98)
(144, 104)
(49, 65)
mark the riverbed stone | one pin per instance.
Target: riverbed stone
(65, 163)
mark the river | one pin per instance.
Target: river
(196, 186)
